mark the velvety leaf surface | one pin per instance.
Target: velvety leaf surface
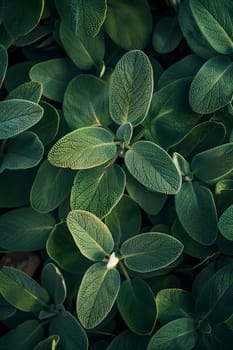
(225, 223)
(30, 90)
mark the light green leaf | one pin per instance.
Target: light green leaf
(50, 187)
(183, 166)
(54, 75)
(173, 304)
(85, 53)
(225, 223)
(30, 90)
(129, 24)
(53, 281)
(15, 22)
(97, 294)
(24, 151)
(214, 19)
(153, 167)
(24, 229)
(83, 17)
(211, 165)
(150, 251)
(24, 337)
(72, 336)
(84, 148)
(211, 88)
(21, 291)
(98, 190)
(131, 88)
(49, 343)
(91, 235)
(17, 116)
(137, 306)
(86, 102)
(178, 334)
(167, 35)
(3, 63)
(196, 211)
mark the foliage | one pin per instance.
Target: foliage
(116, 171)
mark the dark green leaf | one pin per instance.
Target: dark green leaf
(17, 75)
(49, 343)
(30, 90)
(6, 309)
(225, 223)
(167, 35)
(3, 63)
(128, 340)
(53, 281)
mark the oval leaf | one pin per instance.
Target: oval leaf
(131, 88)
(30, 90)
(225, 223)
(97, 294)
(53, 281)
(150, 251)
(153, 167)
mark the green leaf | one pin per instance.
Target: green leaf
(24, 151)
(85, 53)
(178, 334)
(17, 116)
(6, 309)
(62, 249)
(131, 88)
(24, 337)
(43, 28)
(21, 291)
(49, 343)
(125, 132)
(211, 165)
(53, 281)
(150, 251)
(196, 211)
(84, 148)
(150, 202)
(54, 75)
(97, 294)
(129, 24)
(93, 189)
(91, 235)
(47, 127)
(173, 304)
(3, 63)
(50, 187)
(225, 223)
(167, 35)
(214, 303)
(153, 167)
(15, 22)
(183, 166)
(137, 306)
(170, 117)
(124, 220)
(17, 75)
(83, 17)
(30, 90)
(128, 340)
(86, 102)
(24, 229)
(211, 88)
(214, 19)
(72, 336)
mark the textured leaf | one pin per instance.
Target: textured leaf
(131, 88)
(97, 294)
(21, 291)
(153, 167)
(17, 116)
(211, 88)
(90, 234)
(24, 229)
(84, 148)
(225, 223)
(30, 90)
(53, 281)
(125, 132)
(150, 251)
(196, 211)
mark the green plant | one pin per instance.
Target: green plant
(116, 163)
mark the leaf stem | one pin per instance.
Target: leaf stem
(124, 271)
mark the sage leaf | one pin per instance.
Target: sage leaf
(53, 281)
(225, 223)
(30, 90)
(4, 63)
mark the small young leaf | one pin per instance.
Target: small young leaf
(17, 116)
(91, 235)
(125, 132)
(84, 148)
(225, 223)
(97, 293)
(21, 291)
(137, 306)
(150, 251)
(178, 334)
(72, 336)
(211, 88)
(49, 343)
(131, 88)
(153, 167)
(53, 281)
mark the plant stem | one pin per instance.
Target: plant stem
(124, 271)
